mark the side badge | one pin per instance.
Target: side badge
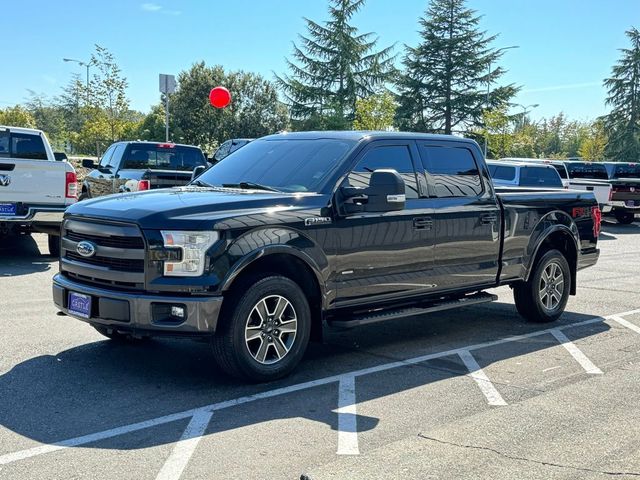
(308, 222)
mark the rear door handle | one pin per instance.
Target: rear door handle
(488, 219)
(422, 223)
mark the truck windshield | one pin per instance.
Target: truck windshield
(628, 170)
(289, 165)
(142, 156)
(594, 171)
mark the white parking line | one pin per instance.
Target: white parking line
(576, 353)
(347, 420)
(475, 372)
(113, 432)
(183, 450)
(625, 323)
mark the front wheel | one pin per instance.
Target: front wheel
(624, 217)
(264, 330)
(544, 296)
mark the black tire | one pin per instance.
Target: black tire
(54, 245)
(116, 336)
(236, 355)
(530, 298)
(624, 217)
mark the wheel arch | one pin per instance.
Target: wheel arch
(557, 237)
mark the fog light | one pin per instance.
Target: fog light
(177, 311)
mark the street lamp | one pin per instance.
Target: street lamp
(526, 109)
(486, 135)
(82, 64)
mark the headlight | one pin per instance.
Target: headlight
(194, 246)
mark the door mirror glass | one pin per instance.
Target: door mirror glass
(199, 170)
(385, 193)
(88, 163)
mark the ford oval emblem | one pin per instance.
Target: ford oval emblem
(86, 249)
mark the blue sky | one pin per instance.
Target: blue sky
(566, 46)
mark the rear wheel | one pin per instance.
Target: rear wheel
(54, 245)
(624, 217)
(264, 331)
(544, 296)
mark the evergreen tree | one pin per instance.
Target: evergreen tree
(444, 83)
(624, 96)
(333, 67)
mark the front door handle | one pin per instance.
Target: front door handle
(422, 223)
(488, 219)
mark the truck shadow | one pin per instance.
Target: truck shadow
(611, 227)
(103, 385)
(20, 255)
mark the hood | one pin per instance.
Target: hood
(189, 207)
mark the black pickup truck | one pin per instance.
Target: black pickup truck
(300, 231)
(134, 166)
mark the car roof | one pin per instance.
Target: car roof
(358, 135)
(148, 142)
(21, 130)
(510, 163)
(547, 161)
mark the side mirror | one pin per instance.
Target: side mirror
(88, 163)
(385, 193)
(197, 171)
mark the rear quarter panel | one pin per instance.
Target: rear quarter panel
(531, 215)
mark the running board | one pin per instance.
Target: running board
(383, 315)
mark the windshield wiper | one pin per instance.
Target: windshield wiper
(200, 183)
(251, 186)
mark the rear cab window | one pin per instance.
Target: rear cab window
(627, 170)
(451, 171)
(531, 176)
(593, 171)
(502, 172)
(22, 146)
(163, 156)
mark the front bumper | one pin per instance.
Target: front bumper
(140, 312)
(588, 259)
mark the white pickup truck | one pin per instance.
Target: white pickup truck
(35, 188)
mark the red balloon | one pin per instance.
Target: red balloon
(219, 97)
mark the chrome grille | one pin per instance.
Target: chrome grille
(119, 256)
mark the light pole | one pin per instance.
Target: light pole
(486, 134)
(82, 64)
(525, 110)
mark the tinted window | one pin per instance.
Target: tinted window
(397, 158)
(141, 156)
(4, 144)
(539, 177)
(562, 171)
(628, 170)
(291, 165)
(222, 151)
(501, 172)
(106, 156)
(587, 170)
(452, 171)
(117, 155)
(27, 146)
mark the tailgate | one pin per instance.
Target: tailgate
(167, 178)
(32, 181)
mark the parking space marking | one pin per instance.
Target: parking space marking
(347, 420)
(486, 387)
(625, 323)
(184, 448)
(110, 433)
(575, 352)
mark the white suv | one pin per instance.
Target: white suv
(35, 188)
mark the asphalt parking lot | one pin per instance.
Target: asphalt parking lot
(473, 393)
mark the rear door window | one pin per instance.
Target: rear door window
(451, 171)
(30, 147)
(539, 177)
(395, 157)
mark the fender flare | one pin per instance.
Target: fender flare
(265, 251)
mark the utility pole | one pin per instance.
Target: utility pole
(486, 134)
(167, 86)
(82, 64)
